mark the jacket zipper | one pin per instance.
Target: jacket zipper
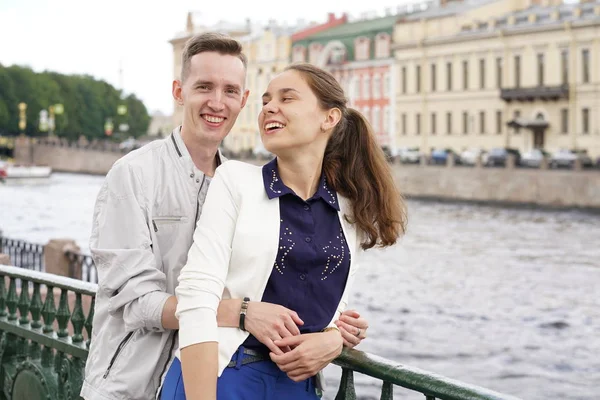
(198, 197)
(165, 219)
(114, 357)
(170, 352)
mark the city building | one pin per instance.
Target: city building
(268, 52)
(499, 73)
(358, 53)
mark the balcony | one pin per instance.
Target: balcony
(544, 93)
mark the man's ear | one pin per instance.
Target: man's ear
(176, 91)
(245, 97)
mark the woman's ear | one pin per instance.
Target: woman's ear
(331, 120)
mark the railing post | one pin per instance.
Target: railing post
(346, 390)
(387, 391)
(56, 259)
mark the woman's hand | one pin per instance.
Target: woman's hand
(310, 353)
(269, 322)
(352, 327)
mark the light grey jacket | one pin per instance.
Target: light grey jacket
(144, 220)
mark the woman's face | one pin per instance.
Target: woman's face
(291, 118)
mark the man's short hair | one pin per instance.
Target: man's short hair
(210, 41)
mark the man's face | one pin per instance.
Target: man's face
(212, 95)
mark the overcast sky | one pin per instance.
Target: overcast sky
(94, 37)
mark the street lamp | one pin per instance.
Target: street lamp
(22, 117)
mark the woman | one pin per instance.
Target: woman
(288, 233)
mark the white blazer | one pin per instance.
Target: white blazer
(235, 246)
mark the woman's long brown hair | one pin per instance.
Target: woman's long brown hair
(355, 165)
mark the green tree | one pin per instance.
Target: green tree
(87, 102)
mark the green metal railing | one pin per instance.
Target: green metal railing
(43, 349)
(432, 386)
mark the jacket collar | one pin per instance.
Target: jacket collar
(175, 142)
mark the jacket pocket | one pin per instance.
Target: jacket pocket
(120, 348)
(157, 222)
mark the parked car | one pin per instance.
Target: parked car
(469, 157)
(534, 158)
(564, 158)
(440, 156)
(389, 153)
(129, 144)
(409, 155)
(498, 156)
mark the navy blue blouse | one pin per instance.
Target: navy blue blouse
(313, 260)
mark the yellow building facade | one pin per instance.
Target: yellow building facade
(499, 73)
(268, 52)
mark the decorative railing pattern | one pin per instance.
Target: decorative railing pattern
(43, 348)
(23, 254)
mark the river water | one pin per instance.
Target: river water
(503, 298)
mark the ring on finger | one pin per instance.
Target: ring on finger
(358, 332)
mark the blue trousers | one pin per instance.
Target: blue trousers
(261, 380)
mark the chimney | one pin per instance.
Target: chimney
(189, 23)
(330, 17)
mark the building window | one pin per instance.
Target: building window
(482, 122)
(518, 71)
(540, 67)
(517, 115)
(564, 121)
(354, 88)
(585, 121)
(376, 119)
(361, 46)
(418, 79)
(449, 123)
(433, 77)
(367, 114)
(499, 122)
(418, 124)
(564, 57)
(382, 48)
(403, 119)
(449, 76)
(314, 52)
(366, 90)
(482, 73)
(585, 63)
(299, 54)
(465, 121)
(499, 72)
(465, 65)
(376, 87)
(433, 123)
(386, 120)
(387, 85)
(404, 80)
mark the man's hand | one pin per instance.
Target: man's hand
(311, 353)
(269, 322)
(352, 327)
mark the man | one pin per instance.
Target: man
(144, 220)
